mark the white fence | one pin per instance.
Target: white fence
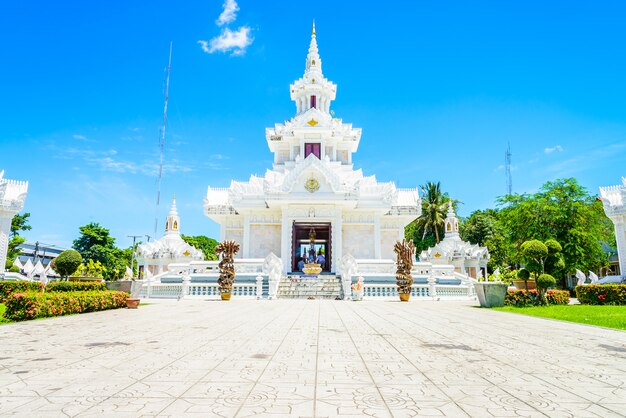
(432, 291)
(201, 290)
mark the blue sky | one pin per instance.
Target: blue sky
(439, 88)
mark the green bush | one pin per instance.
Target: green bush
(601, 294)
(523, 274)
(31, 305)
(545, 281)
(75, 286)
(8, 287)
(523, 298)
(67, 262)
(14, 269)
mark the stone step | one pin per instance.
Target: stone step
(321, 287)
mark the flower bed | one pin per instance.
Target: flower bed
(74, 286)
(31, 305)
(601, 294)
(530, 298)
(7, 287)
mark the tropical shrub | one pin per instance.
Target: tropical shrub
(14, 269)
(523, 298)
(67, 262)
(31, 305)
(8, 287)
(74, 286)
(601, 294)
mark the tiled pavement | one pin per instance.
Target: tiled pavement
(310, 358)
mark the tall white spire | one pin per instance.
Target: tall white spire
(451, 222)
(313, 60)
(313, 90)
(172, 224)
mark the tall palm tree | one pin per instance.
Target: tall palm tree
(434, 208)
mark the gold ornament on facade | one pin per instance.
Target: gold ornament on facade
(312, 122)
(312, 185)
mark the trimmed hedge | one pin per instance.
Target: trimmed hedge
(75, 286)
(601, 294)
(31, 305)
(7, 287)
(531, 298)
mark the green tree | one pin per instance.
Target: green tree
(67, 262)
(535, 253)
(434, 208)
(94, 243)
(562, 210)
(205, 244)
(18, 223)
(479, 227)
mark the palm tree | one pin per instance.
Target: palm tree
(434, 208)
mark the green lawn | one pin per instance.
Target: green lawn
(601, 315)
(3, 320)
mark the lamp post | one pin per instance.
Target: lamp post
(132, 256)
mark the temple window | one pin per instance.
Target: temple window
(313, 102)
(312, 148)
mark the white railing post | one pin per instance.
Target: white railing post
(432, 289)
(184, 291)
(259, 287)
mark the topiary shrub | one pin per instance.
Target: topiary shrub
(8, 287)
(544, 282)
(67, 262)
(32, 305)
(74, 286)
(14, 269)
(601, 294)
(522, 298)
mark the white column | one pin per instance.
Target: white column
(337, 242)
(5, 230)
(246, 237)
(620, 238)
(285, 242)
(377, 243)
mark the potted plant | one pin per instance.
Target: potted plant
(524, 282)
(226, 251)
(404, 259)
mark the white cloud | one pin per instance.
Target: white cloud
(79, 137)
(229, 14)
(234, 42)
(556, 148)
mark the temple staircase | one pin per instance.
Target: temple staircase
(325, 286)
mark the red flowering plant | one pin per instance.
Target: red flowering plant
(601, 294)
(524, 298)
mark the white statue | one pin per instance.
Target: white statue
(349, 268)
(272, 266)
(581, 277)
(593, 277)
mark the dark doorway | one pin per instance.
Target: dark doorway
(301, 244)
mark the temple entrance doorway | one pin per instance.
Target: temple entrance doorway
(311, 242)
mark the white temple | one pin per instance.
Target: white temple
(12, 197)
(614, 202)
(470, 259)
(313, 187)
(154, 257)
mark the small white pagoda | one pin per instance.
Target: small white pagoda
(313, 189)
(154, 257)
(470, 259)
(12, 196)
(614, 203)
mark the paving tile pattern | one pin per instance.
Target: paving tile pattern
(310, 358)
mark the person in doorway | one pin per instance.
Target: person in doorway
(300, 263)
(320, 259)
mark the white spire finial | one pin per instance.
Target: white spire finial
(313, 60)
(172, 224)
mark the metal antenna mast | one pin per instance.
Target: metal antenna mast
(162, 141)
(507, 166)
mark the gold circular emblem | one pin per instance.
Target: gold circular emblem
(312, 185)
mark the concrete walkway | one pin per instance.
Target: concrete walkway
(310, 358)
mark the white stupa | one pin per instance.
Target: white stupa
(470, 259)
(154, 257)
